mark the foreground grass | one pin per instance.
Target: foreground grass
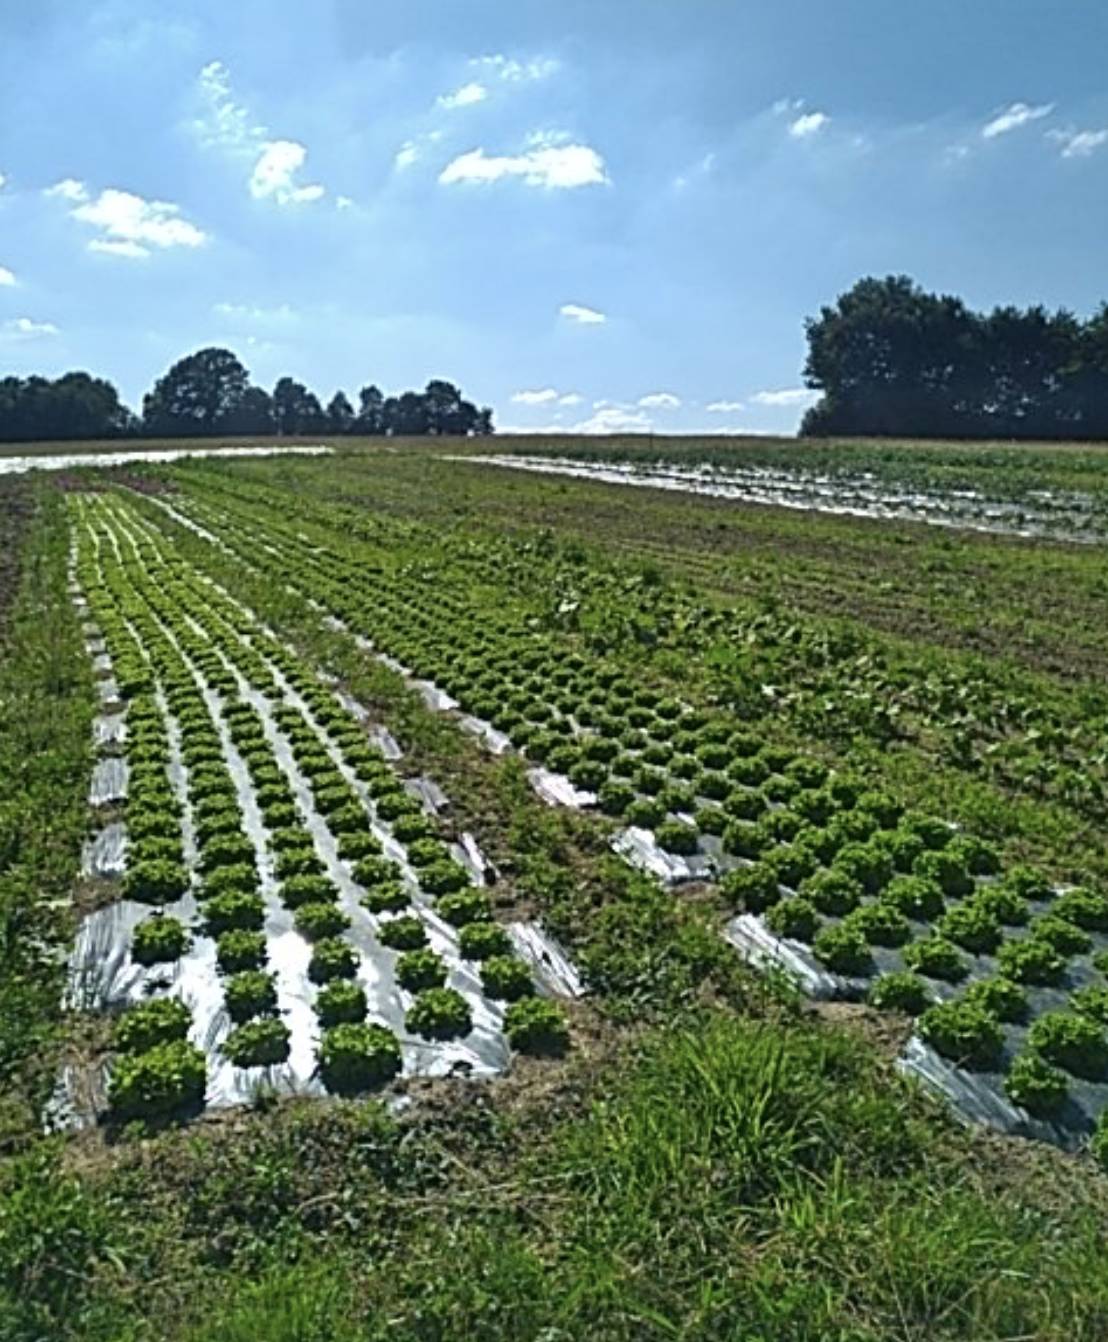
(725, 1179)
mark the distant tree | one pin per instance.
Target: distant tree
(74, 406)
(254, 416)
(483, 426)
(199, 395)
(340, 414)
(296, 410)
(891, 359)
(371, 405)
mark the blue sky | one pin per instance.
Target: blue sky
(604, 214)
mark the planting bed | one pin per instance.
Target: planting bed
(269, 856)
(835, 879)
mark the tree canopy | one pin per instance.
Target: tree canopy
(892, 359)
(210, 393)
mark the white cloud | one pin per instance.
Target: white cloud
(273, 174)
(407, 154)
(576, 312)
(23, 328)
(570, 398)
(786, 106)
(549, 162)
(791, 396)
(808, 124)
(660, 400)
(248, 312)
(3, 179)
(227, 125)
(134, 251)
(1079, 143)
(131, 226)
(7, 279)
(543, 397)
(1011, 118)
(68, 189)
(518, 72)
(466, 96)
(343, 203)
(725, 407)
(615, 419)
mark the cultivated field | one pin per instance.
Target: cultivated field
(556, 889)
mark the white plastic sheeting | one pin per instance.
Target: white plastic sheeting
(551, 966)
(68, 461)
(760, 948)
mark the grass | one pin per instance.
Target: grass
(711, 1162)
(727, 1178)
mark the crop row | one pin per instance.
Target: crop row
(204, 670)
(899, 904)
(834, 683)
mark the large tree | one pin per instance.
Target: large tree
(199, 395)
(340, 414)
(76, 405)
(891, 359)
(296, 410)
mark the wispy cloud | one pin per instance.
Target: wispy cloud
(24, 328)
(1013, 117)
(128, 225)
(583, 316)
(67, 189)
(546, 396)
(7, 278)
(1079, 143)
(466, 96)
(275, 171)
(550, 161)
(789, 396)
(660, 400)
(725, 407)
(808, 124)
(226, 124)
(514, 71)
(248, 312)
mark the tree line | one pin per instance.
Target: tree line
(892, 359)
(210, 393)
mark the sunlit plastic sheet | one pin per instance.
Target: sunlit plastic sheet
(105, 855)
(642, 850)
(557, 790)
(109, 729)
(760, 948)
(68, 461)
(109, 781)
(1070, 516)
(547, 959)
(108, 690)
(429, 794)
(496, 742)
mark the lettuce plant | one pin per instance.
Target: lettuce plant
(439, 1013)
(316, 921)
(479, 941)
(832, 891)
(339, 1002)
(406, 933)
(1000, 997)
(332, 959)
(1066, 938)
(899, 991)
(880, 924)
(936, 958)
(1036, 1086)
(1074, 1042)
(159, 1021)
(1087, 909)
(843, 949)
(420, 969)
(355, 1057)
(159, 940)
(971, 925)
(536, 1025)
(250, 993)
(914, 897)
(506, 979)
(234, 910)
(962, 1031)
(157, 882)
(752, 889)
(238, 950)
(1031, 960)
(158, 1082)
(464, 906)
(258, 1043)
(793, 918)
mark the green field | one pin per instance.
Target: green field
(880, 738)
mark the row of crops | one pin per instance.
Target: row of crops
(289, 911)
(1005, 974)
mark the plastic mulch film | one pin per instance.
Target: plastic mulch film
(640, 848)
(554, 971)
(760, 948)
(105, 855)
(109, 781)
(109, 729)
